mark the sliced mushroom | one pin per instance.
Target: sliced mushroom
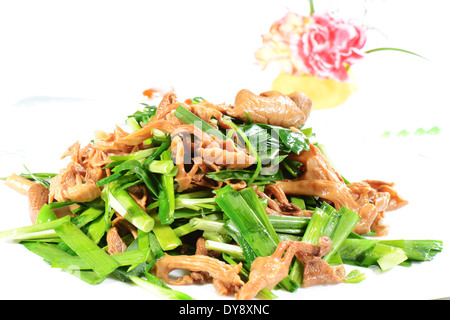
(120, 228)
(19, 184)
(125, 227)
(225, 276)
(37, 197)
(272, 108)
(115, 242)
(266, 272)
(202, 277)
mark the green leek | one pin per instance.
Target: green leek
(46, 226)
(49, 252)
(123, 259)
(125, 205)
(207, 225)
(167, 192)
(161, 166)
(45, 214)
(232, 250)
(86, 249)
(347, 220)
(87, 216)
(246, 221)
(189, 118)
(156, 286)
(254, 230)
(166, 236)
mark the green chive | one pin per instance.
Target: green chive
(127, 207)
(189, 118)
(123, 259)
(17, 232)
(86, 249)
(166, 236)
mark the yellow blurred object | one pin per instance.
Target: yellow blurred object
(325, 93)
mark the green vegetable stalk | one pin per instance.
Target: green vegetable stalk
(97, 259)
(125, 205)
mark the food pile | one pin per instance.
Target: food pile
(238, 195)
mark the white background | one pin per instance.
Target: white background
(68, 68)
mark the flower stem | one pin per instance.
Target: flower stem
(395, 49)
(311, 7)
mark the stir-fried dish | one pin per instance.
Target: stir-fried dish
(238, 195)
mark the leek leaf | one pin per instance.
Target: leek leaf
(86, 249)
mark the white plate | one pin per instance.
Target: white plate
(415, 163)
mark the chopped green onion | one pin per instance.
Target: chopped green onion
(196, 100)
(250, 147)
(364, 252)
(38, 179)
(388, 256)
(127, 207)
(133, 166)
(356, 251)
(354, 276)
(232, 250)
(247, 222)
(252, 199)
(184, 229)
(132, 122)
(245, 175)
(257, 233)
(207, 225)
(163, 147)
(86, 249)
(45, 214)
(50, 252)
(88, 276)
(139, 155)
(156, 286)
(197, 201)
(87, 216)
(38, 175)
(17, 232)
(417, 250)
(347, 220)
(161, 166)
(270, 137)
(316, 226)
(299, 202)
(289, 222)
(216, 236)
(96, 229)
(248, 252)
(167, 192)
(189, 118)
(166, 236)
(46, 251)
(123, 259)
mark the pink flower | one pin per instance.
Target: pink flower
(328, 47)
(318, 45)
(278, 41)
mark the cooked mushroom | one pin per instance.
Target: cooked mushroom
(120, 228)
(115, 242)
(272, 108)
(19, 184)
(37, 197)
(224, 275)
(266, 272)
(201, 276)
